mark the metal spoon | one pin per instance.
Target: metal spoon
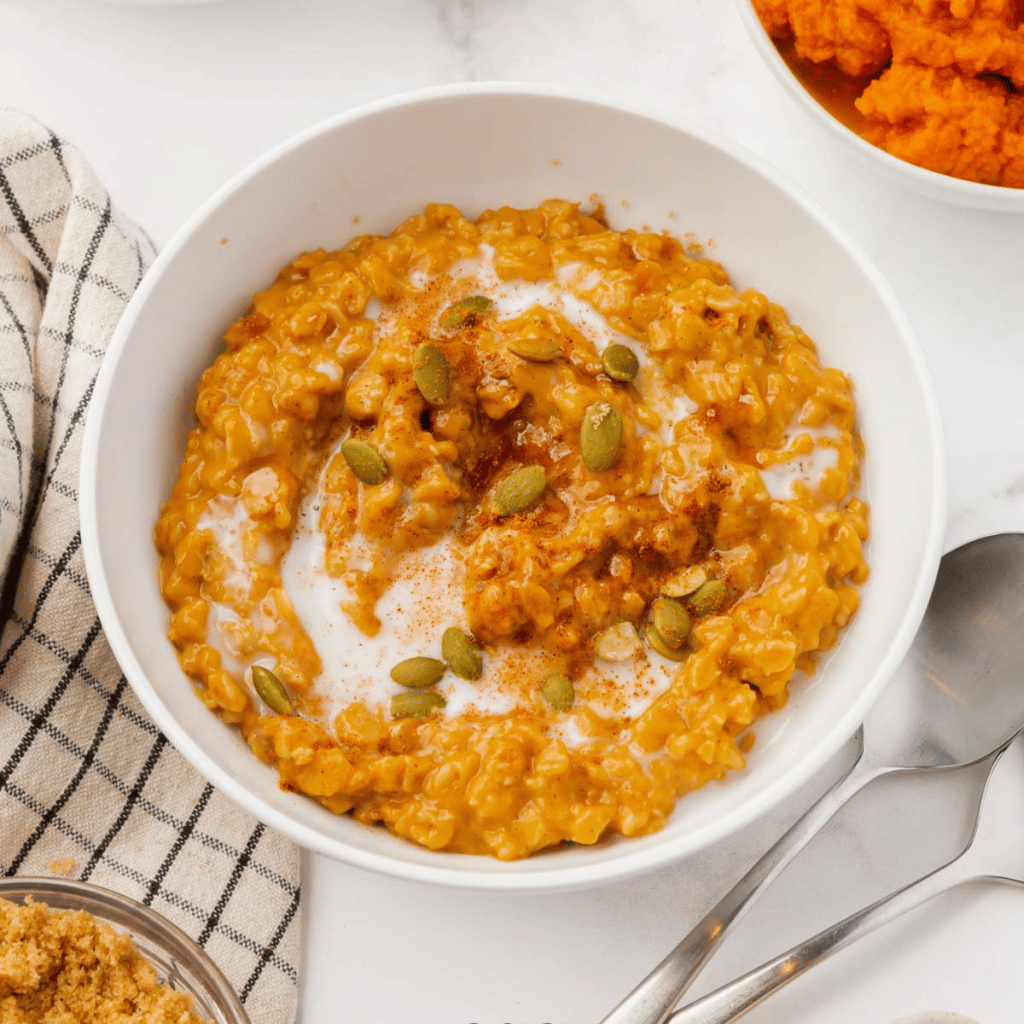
(962, 701)
(995, 852)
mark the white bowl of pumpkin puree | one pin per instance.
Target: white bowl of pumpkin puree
(930, 93)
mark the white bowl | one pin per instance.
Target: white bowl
(480, 146)
(929, 183)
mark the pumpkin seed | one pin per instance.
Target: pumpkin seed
(462, 655)
(671, 620)
(430, 371)
(417, 673)
(519, 490)
(465, 312)
(620, 363)
(271, 690)
(417, 704)
(365, 462)
(600, 437)
(684, 582)
(708, 598)
(617, 643)
(535, 350)
(764, 332)
(558, 692)
(657, 642)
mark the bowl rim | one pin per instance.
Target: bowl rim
(136, 918)
(932, 183)
(558, 878)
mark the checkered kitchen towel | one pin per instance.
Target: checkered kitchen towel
(88, 785)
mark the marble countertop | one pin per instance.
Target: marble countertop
(168, 102)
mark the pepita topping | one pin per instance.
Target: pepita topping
(620, 363)
(535, 350)
(465, 313)
(416, 704)
(271, 690)
(600, 437)
(430, 371)
(658, 643)
(683, 582)
(618, 643)
(418, 672)
(709, 597)
(519, 491)
(366, 463)
(461, 655)
(671, 620)
(558, 691)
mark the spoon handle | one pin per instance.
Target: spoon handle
(732, 1001)
(653, 999)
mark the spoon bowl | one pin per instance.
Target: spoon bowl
(994, 853)
(959, 700)
(969, 659)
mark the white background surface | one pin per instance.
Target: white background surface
(168, 102)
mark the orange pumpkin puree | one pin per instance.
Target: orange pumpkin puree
(941, 78)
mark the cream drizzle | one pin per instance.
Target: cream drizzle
(427, 593)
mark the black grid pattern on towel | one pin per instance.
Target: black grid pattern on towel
(88, 784)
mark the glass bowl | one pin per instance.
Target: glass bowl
(179, 962)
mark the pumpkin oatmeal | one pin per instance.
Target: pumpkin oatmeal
(504, 532)
(933, 82)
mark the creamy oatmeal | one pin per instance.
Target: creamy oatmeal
(504, 532)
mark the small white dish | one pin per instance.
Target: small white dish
(480, 146)
(929, 183)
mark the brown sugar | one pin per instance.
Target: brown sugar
(66, 967)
